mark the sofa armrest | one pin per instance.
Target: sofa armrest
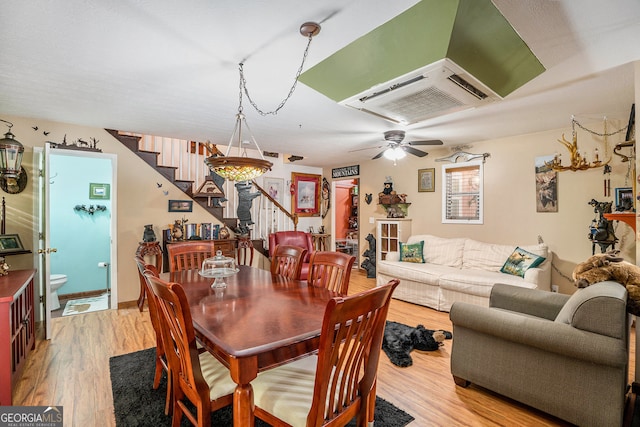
(533, 302)
(540, 333)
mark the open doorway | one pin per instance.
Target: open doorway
(77, 221)
(345, 216)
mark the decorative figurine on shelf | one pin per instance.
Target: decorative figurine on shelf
(224, 233)
(4, 267)
(601, 229)
(177, 230)
(245, 199)
(149, 235)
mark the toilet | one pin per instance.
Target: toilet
(56, 281)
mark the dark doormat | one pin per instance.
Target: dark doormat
(136, 403)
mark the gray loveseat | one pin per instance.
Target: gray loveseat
(565, 355)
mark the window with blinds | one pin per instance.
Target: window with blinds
(462, 193)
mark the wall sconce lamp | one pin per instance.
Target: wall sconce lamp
(13, 177)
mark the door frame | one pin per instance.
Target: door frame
(333, 216)
(41, 210)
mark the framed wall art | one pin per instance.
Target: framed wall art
(99, 191)
(426, 180)
(305, 197)
(10, 243)
(546, 185)
(180, 205)
(275, 187)
(624, 197)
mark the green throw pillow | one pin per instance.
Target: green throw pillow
(412, 252)
(520, 261)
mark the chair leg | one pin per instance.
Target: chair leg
(461, 381)
(371, 404)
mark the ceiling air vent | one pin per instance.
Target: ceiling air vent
(434, 90)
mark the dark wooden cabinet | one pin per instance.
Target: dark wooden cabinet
(17, 328)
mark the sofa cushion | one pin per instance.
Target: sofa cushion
(412, 252)
(478, 282)
(440, 250)
(424, 273)
(491, 257)
(520, 261)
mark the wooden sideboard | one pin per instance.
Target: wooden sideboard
(17, 328)
(227, 246)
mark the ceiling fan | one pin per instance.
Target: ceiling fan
(395, 141)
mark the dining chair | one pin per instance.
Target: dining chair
(287, 261)
(331, 270)
(161, 359)
(188, 255)
(197, 376)
(330, 388)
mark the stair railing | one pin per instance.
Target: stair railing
(188, 157)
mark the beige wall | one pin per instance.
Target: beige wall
(510, 215)
(140, 201)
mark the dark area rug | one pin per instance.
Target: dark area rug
(136, 403)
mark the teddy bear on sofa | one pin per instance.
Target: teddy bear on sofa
(399, 340)
(609, 266)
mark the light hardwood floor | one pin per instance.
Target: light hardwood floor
(72, 370)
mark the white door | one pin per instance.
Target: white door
(43, 209)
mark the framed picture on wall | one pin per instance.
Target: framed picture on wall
(99, 191)
(546, 185)
(180, 205)
(275, 187)
(10, 243)
(427, 180)
(624, 197)
(305, 197)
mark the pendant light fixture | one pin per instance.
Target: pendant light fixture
(242, 167)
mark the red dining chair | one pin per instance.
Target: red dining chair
(189, 255)
(197, 377)
(293, 238)
(339, 383)
(331, 270)
(161, 359)
(287, 261)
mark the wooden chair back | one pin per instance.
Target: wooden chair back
(154, 314)
(345, 375)
(188, 255)
(184, 359)
(331, 270)
(350, 345)
(287, 261)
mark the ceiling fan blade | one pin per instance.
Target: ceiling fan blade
(377, 156)
(426, 142)
(413, 151)
(365, 148)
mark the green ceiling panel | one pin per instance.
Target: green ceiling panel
(484, 43)
(472, 33)
(416, 37)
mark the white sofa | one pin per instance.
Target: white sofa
(459, 269)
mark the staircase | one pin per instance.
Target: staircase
(182, 163)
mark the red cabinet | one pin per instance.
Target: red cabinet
(17, 328)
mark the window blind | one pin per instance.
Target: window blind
(462, 193)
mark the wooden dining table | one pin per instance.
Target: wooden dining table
(258, 321)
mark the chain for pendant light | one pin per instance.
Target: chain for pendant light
(575, 122)
(243, 85)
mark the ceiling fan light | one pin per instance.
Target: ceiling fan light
(394, 153)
